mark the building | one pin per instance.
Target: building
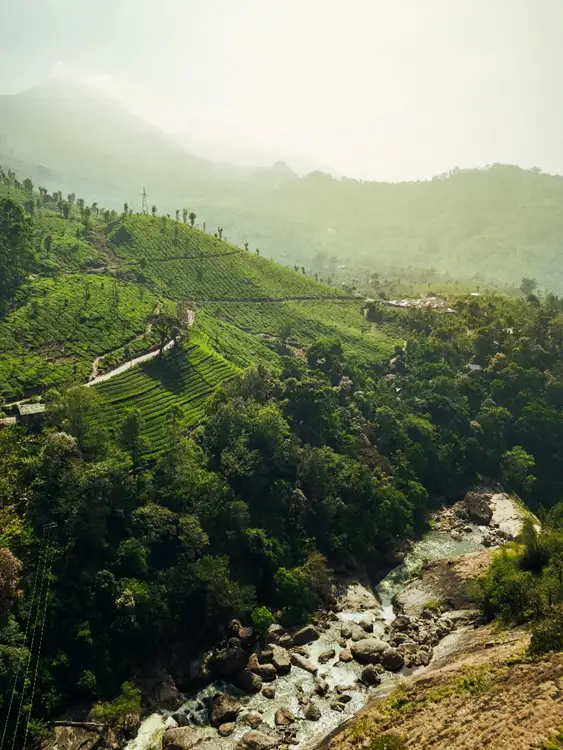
(31, 414)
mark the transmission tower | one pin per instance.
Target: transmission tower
(144, 196)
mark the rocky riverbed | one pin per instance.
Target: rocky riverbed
(306, 682)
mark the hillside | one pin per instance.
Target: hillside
(500, 222)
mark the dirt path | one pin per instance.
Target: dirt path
(137, 360)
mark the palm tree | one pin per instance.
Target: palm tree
(177, 214)
(220, 232)
(80, 205)
(126, 208)
(192, 217)
(184, 215)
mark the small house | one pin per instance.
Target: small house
(31, 414)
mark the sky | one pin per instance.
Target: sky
(375, 89)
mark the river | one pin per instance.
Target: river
(435, 545)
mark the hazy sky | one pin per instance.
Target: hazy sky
(384, 89)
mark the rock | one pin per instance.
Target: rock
(252, 720)
(366, 625)
(225, 730)
(283, 717)
(224, 709)
(345, 655)
(274, 633)
(308, 634)
(370, 675)
(369, 650)
(456, 535)
(468, 529)
(266, 656)
(299, 661)
(301, 650)
(285, 641)
(254, 740)
(249, 681)
(266, 671)
(181, 738)
(402, 622)
(358, 633)
(327, 656)
(281, 660)
(424, 657)
(345, 698)
(312, 712)
(346, 630)
(398, 638)
(478, 508)
(269, 691)
(392, 660)
(181, 719)
(228, 661)
(428, 614)
(342, 642)
(321, 686)
(246, 635)
(336, 706)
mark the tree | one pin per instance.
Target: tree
(514, 469)
(65, 208)
(132, 439)
(185, 215)
(192, 217)
(257, 251)
(246, 246)
(166, 326)
(177, 214)
(143, 263)
(126, 208)
(220, 232)
(10, 570)
(16, 255)
(48, 243)
(153, 210)
(528, 286)
(28, 186)
(80, 205)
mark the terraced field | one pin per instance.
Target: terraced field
(183, 262)
(65, 322)
(183, 378)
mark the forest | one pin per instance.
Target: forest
(323, 449)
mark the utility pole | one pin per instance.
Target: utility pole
(144, 196)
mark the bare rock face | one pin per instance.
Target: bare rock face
(478, 508)
(283, 717)
(254, 740)
(181, 738)
(308, 634)
(281, 660)
(300, 661)
(249, 681)
(312, 712)
(369, 650)
(224, 709)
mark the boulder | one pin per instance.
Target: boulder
(269, 691)
(336, 706)
(225, 730)
(266, 656)
(346, 630)
(249, 681)
(299, 661)
(358, 633)
(281, 660)
(283, 717)
(402, 622)
(267, 672)
(478, 508)
(369, 650)
(181, 738)
(308, 634)
(424, 657)
(345, 655)
(428, 614)
(327, 656)
(252, 720)
(392, 660)
(181, 719)
(345, 698)
(366, 625)
(274, 633)
(312, 712)
(301, 650)
(226, 662)
(254, 740)
(321, 686)
(370, 675)
(285, 641)
(456, 535)
(224, 709)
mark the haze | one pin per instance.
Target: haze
(367, 88)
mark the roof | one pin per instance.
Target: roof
(26, 409)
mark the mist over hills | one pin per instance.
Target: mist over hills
(500, 222)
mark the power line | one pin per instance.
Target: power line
(24, 640)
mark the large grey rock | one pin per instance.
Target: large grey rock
(281, 660)
(267, 672)
(228, 661)
(369, 650)
(327, 656)
(346, 630)
(308, 634)
(283, 717)
(478, 508)
(249, 681)
(300, 661)
(370, 675)
(224, 709)
(181, 738)
(312, 712)
(358, 633)
(254, 740)
(392, 660)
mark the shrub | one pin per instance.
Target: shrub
(262, 618)
(387, 741)
(548, 634)
(116, 712)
